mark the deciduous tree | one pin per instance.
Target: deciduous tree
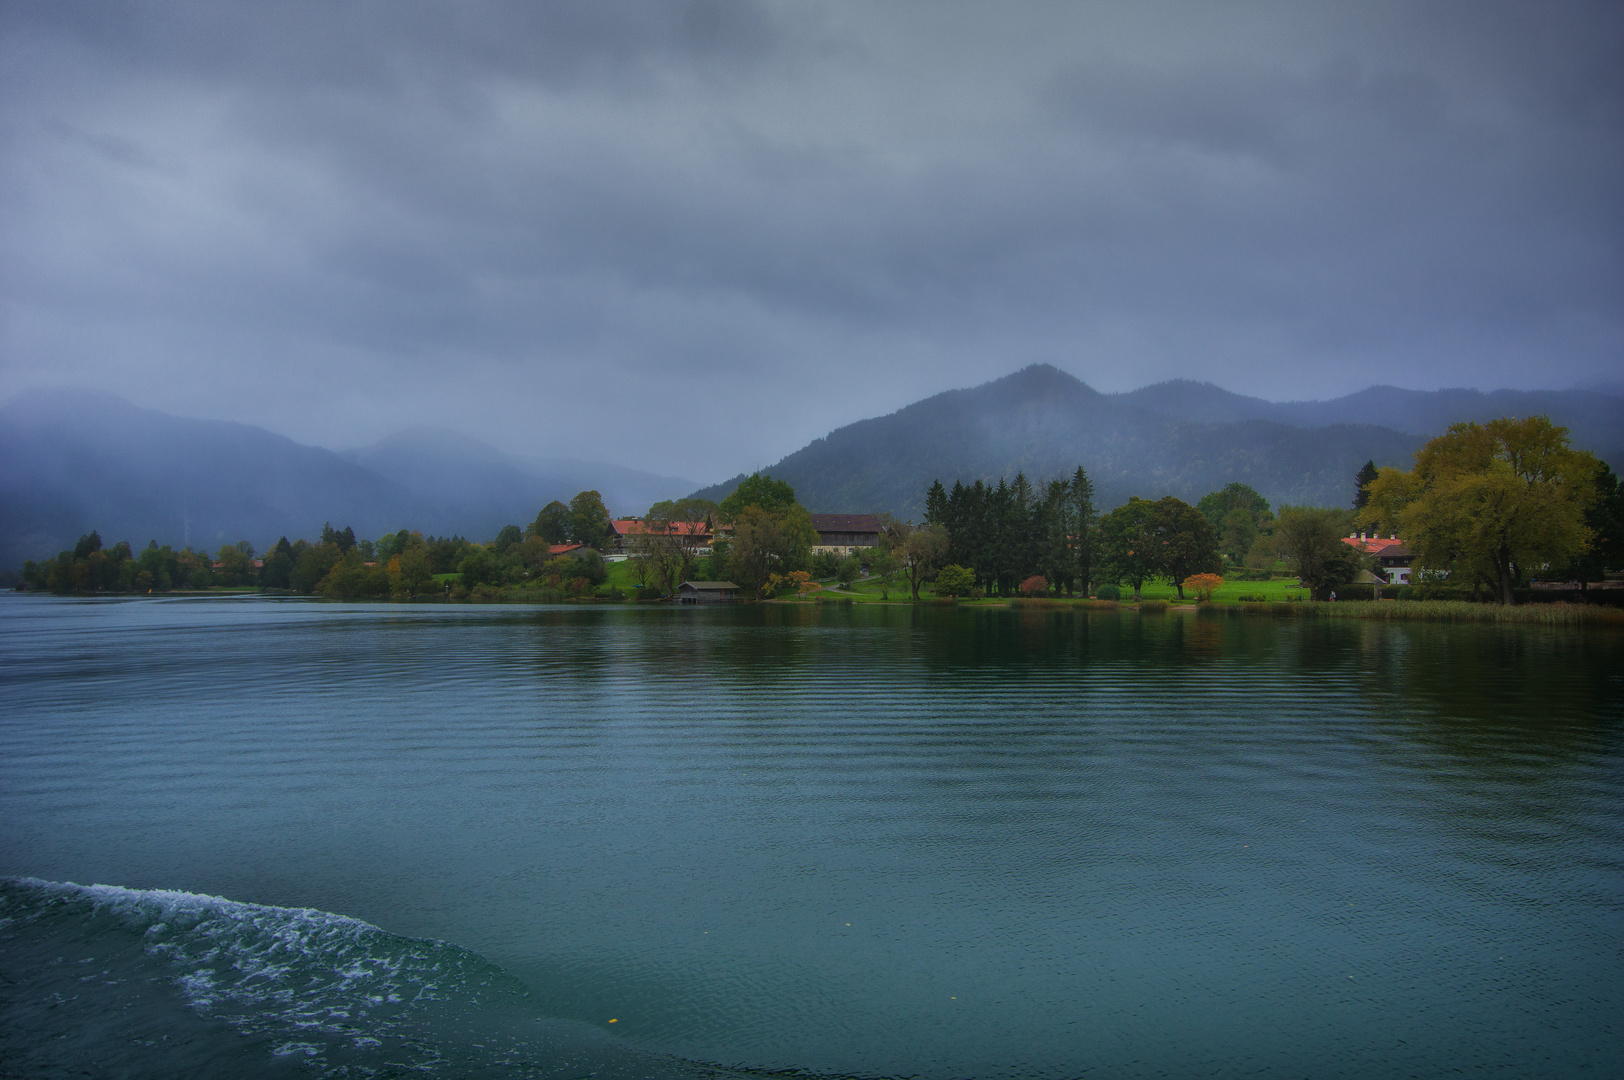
(676, 532)
(552, 524)
(1309, 539)
(765, 543)
(1605, 517)
(1126, 542)
(589, 520)
(1490, 501)
(920, 553)
(1183, 542)
(761, 491)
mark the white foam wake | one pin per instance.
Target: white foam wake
(309, 980)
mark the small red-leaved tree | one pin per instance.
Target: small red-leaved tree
(1203, 585)
(1036, 585)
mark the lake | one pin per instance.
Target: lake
(266, 838)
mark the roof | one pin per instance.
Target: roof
(849, 523)
(633, 526)
(1376, 545)
(559, 549)
(707, 586)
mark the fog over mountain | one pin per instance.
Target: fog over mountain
(74, 460)
(1176, 438)
(481, 489)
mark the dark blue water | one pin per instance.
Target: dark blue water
(460, 841)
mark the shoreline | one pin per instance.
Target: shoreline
(1556, 613)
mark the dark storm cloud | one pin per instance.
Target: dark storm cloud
(577, 227)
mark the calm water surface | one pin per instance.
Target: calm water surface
(460, 841)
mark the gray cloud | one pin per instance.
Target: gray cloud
(577, 228)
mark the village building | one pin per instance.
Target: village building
(1391, 555)
(626, 535)
(841, 534)
(706, 592)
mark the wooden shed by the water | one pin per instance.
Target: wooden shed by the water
(706, 592)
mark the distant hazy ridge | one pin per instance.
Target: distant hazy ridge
(1175, 438)
(72, 461)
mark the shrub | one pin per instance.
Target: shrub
(1203, 585)
(953, 580)
(1108, 592)
(1036, 585)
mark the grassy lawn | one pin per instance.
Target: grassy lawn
(871, 591)
(620, 576)
(1232, 591)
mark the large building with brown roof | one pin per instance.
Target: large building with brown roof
(844, 533)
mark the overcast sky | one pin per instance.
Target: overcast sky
(690, 237)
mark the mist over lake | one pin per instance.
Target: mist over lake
(872, 841)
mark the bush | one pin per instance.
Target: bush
(1108, 592)
(1203, 585)
(850, 569)
(1252, 598)
(1036, 585)
(953, 580)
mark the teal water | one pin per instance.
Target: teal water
(353, 840)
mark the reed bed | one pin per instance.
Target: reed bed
(1446, 611)
(1067, 603)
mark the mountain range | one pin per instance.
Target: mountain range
(76, 460)
(1174, 438)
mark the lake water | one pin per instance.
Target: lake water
(347, 840)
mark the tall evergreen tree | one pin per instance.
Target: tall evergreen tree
(1084, 521)
(936, 504)
(1361, 493)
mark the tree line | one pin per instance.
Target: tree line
(1486, 506)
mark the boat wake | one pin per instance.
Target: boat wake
(114, 981)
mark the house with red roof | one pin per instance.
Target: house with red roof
(626, 534)
(1391, 554)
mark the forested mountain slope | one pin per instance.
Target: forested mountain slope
(1045, 422)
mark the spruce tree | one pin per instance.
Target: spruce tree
(1361, 494)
